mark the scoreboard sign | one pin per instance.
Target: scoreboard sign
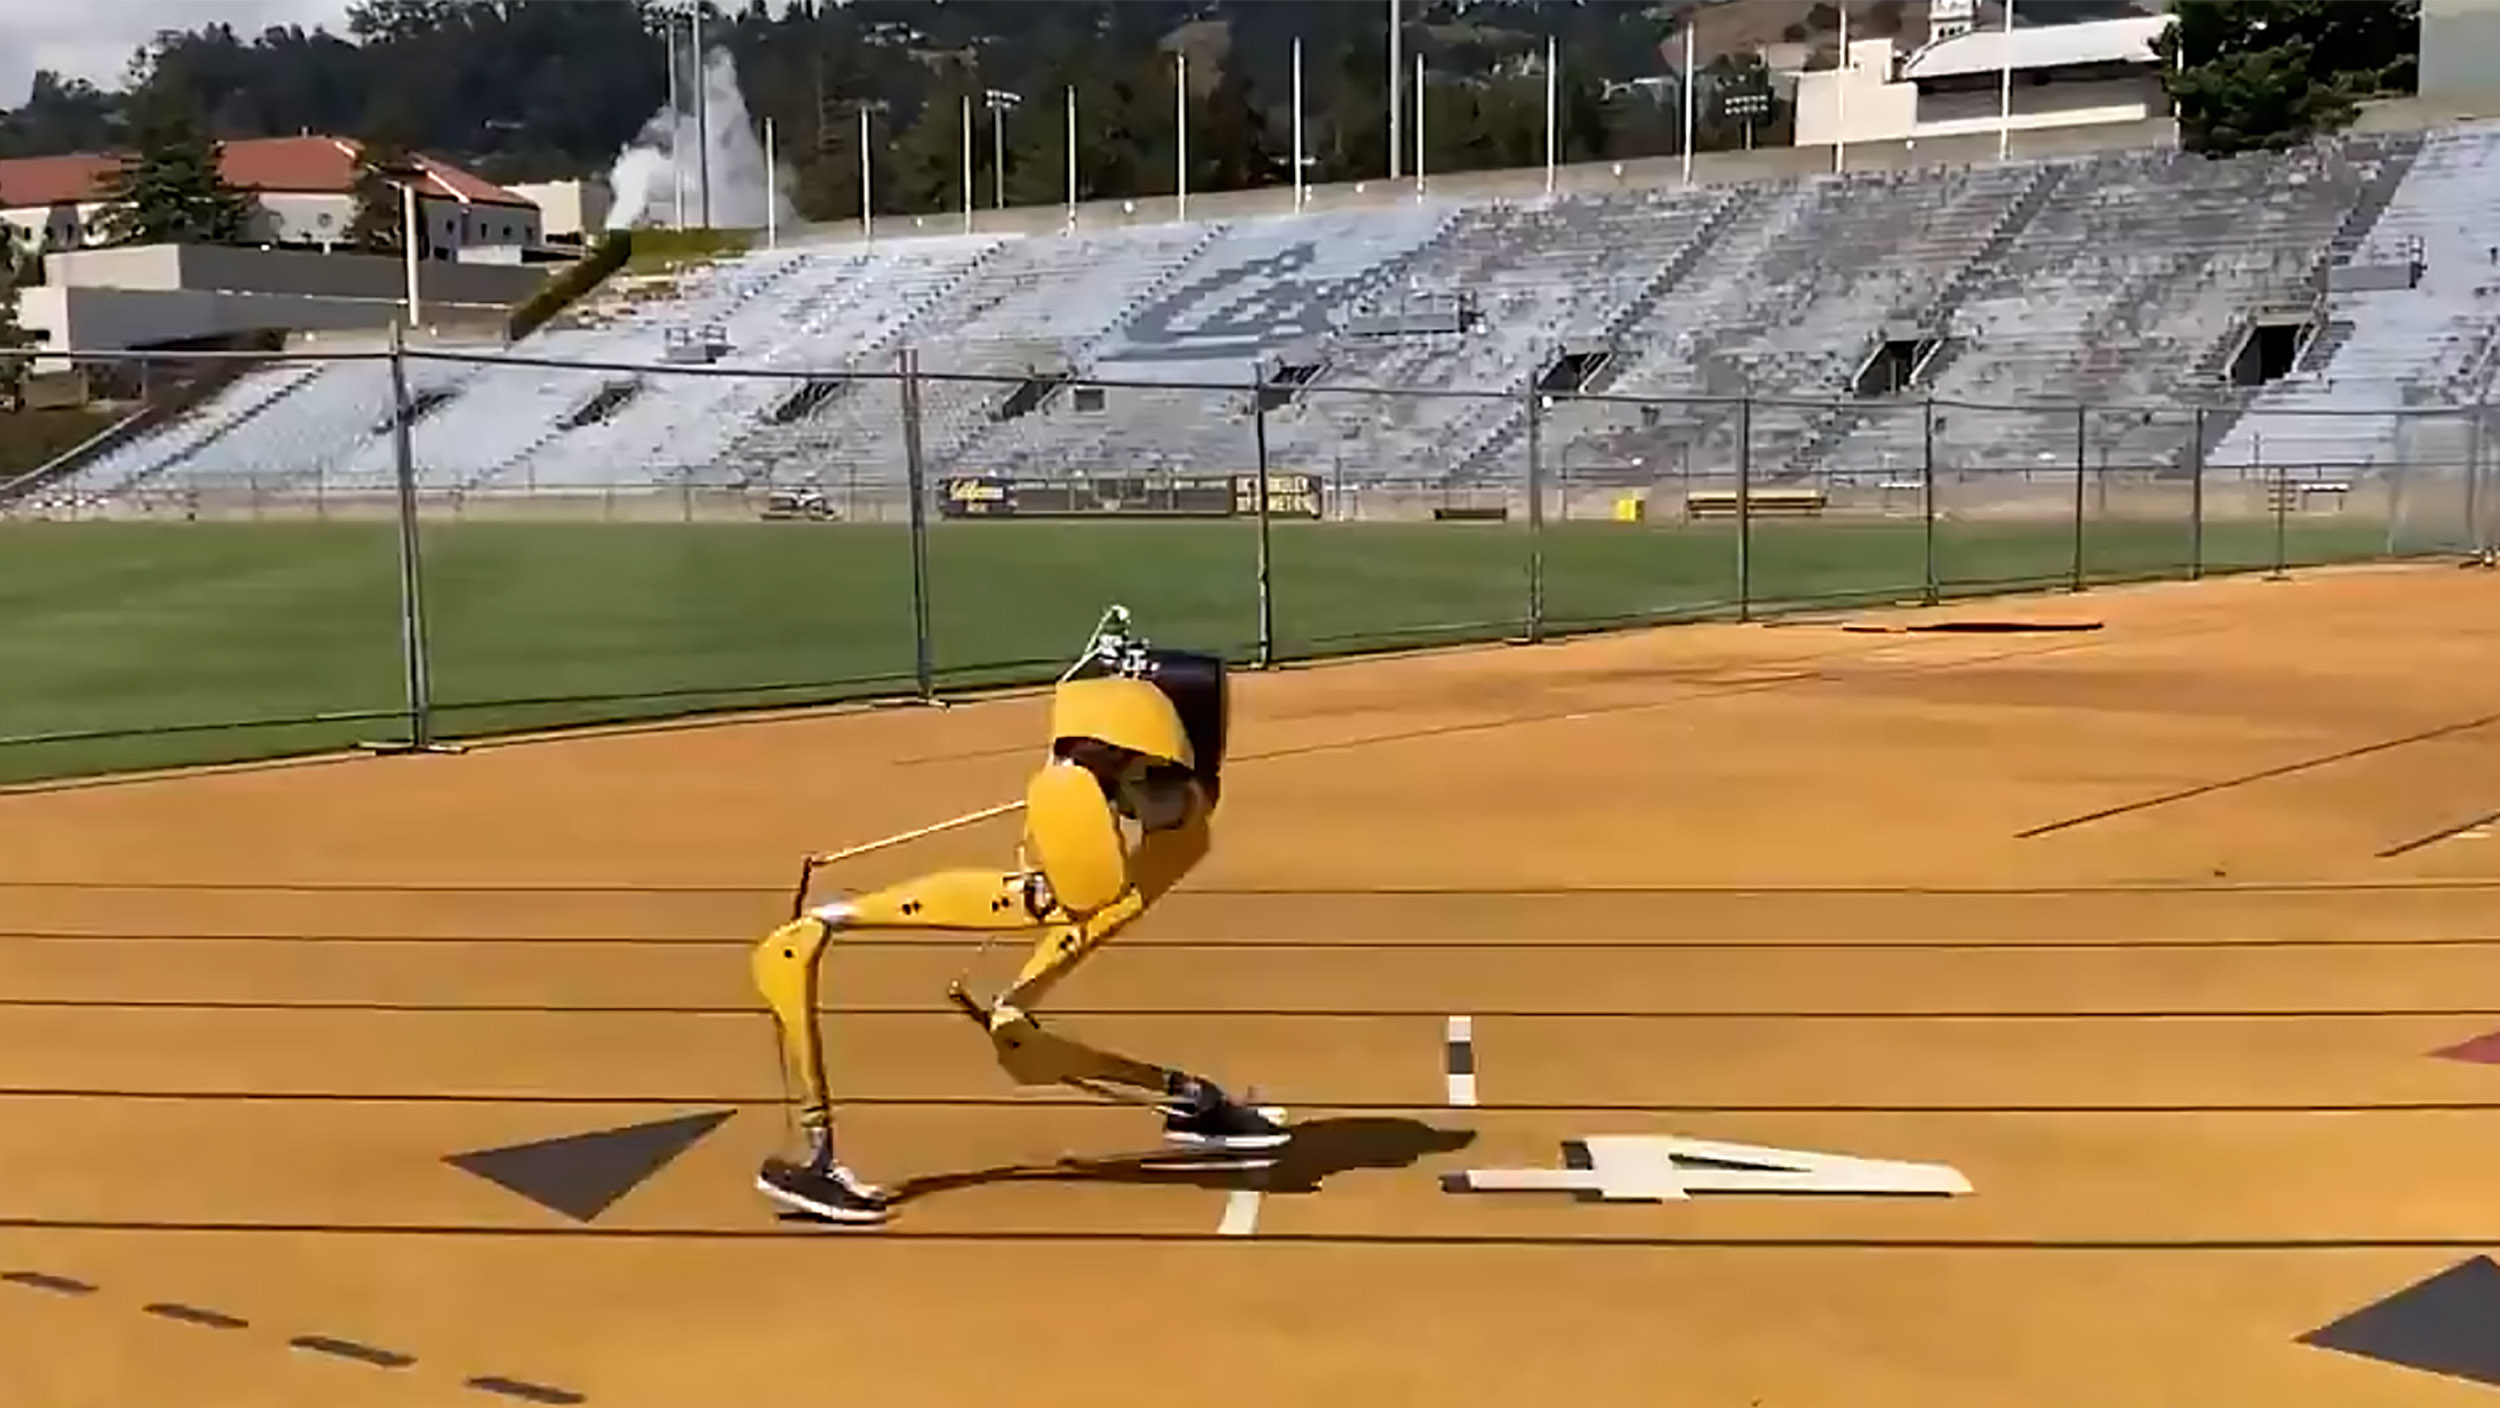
(1132, 496)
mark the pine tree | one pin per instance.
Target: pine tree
(169, 188)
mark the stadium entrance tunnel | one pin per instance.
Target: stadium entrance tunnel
(809, 398)
(1031, 394)
(2270, 348)
(1895, 362)
(419, 405)
(1573, 371)
(603, 403)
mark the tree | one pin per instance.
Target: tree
(169, 188)
(2268, 74)
(385, 169)
(928, 157)
(1235, 151)
(15, 258)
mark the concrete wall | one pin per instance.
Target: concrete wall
(1876, 110)
(2461, 54)
(116, 319)
(1528, 183)
(2110, 101)
(150, 295)
(298, 218)
(306, 273)
(1523, 184)
(1855, 101)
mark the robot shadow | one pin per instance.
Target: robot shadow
(1320, 1149)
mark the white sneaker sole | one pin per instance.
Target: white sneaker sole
(830, 1212)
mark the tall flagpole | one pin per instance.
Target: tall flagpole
(408, 245)
(1396, 77)
(772, 192)
(967, 124)
(1840, 97)
(1691, 81)
(1419, 127)
(702, 121)
(1553, 148)
(867, 230)
(1180, 123)
(2005, 85)
(1297, 124)
(1071, 158)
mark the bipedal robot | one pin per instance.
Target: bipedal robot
(1117, 814)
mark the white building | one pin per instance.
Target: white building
(306, 192)
(2069, 75)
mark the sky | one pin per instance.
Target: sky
(94, 39)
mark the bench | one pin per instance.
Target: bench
(1759, 503)
(2294, 496)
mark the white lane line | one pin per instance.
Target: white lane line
(1241, 1213)
(1458, 1061)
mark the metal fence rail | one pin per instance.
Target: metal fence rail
(438, 544)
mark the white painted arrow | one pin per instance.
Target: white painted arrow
(1645, 1168)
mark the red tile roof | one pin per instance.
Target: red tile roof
(293, 165)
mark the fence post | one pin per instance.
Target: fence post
(2082, 435)
(1536, 515)
(2196, 498)
(1934, 587)
(412, 644)
(915, 475)
(1744, 507)
(1267, 597)
(2473, 478)
(2282, 508)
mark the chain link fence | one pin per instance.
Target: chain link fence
(410, 545)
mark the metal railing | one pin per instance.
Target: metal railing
(436, 545)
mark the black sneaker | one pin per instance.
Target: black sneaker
(1223, 1124)
(825, 1190)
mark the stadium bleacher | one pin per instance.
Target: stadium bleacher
(2124, 277)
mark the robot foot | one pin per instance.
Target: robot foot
(822, 1189)
(1206, 1118)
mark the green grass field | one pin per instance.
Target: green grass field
(212, 642)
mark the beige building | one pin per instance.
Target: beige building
(570, 212)
(2102, 73)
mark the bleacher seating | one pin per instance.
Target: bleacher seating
(2400, 346)
(2116, 278)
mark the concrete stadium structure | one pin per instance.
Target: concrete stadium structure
(2305, 297)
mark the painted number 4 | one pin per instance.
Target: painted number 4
(1641, 1168)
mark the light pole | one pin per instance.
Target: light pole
(702, 118)
(676, 117)
(1000, 101)
(1397, 77)
(1752, 107)
(1297, 126)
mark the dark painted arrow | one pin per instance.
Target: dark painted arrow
(2449, 1324)
(2484, 1049)
(582, 1175)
